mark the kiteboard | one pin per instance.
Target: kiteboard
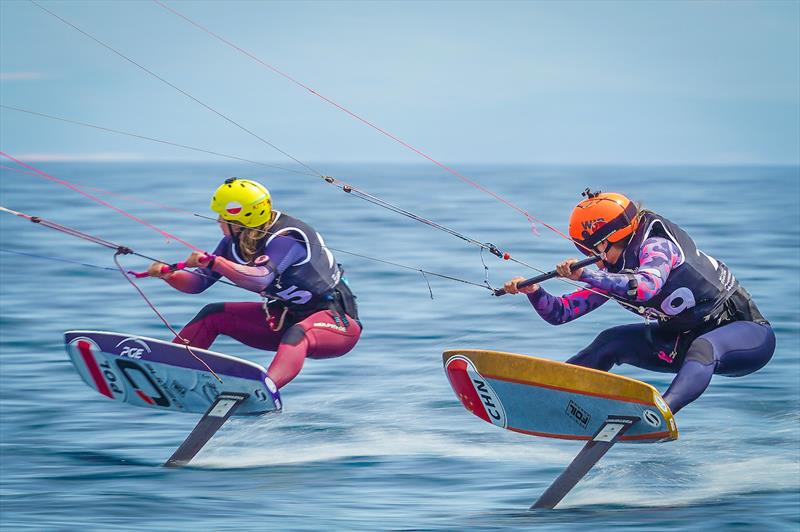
(162, 375)
(552, 399)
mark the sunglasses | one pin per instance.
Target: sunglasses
(600, 248)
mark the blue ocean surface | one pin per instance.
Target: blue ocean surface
(376, 440)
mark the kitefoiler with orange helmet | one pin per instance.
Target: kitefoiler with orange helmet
(698, 320)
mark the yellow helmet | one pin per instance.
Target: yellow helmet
(243, 201)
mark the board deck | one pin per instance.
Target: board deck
(157, 374)
(552, 399)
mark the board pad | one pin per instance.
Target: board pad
(157, 374)
(552, 399)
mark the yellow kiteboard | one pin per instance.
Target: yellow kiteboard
(552, 399)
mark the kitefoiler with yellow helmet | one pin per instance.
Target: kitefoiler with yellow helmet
(308, 311)
(308, 308)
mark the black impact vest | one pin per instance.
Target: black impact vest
(308, 284)
(696, 289)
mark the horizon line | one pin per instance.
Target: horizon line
(134, 158)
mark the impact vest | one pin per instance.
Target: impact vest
(696, 289)
(307, 284)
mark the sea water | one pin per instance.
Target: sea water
(376, 439)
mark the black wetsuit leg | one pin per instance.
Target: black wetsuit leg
(733, 350)
(637, 344)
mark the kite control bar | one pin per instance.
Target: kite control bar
(549, 275)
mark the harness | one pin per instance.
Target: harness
(739, 306)
(339, 300)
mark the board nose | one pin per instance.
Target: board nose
(459, 380)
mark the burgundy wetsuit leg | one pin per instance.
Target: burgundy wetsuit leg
(317, 336)
(245, 322)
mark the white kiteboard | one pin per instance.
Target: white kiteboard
(156, 374)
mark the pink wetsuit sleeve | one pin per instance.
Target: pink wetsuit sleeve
(192, 283)
(199, 279)
(558, 310)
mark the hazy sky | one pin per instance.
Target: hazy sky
(494, 82)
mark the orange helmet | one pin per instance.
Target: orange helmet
(600, 217)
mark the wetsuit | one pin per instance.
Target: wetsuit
(311, 311)
(699, 320)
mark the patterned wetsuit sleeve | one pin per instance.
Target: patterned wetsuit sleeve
(282, 252)
(558, 310)
(656, 259)
(194, 283)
